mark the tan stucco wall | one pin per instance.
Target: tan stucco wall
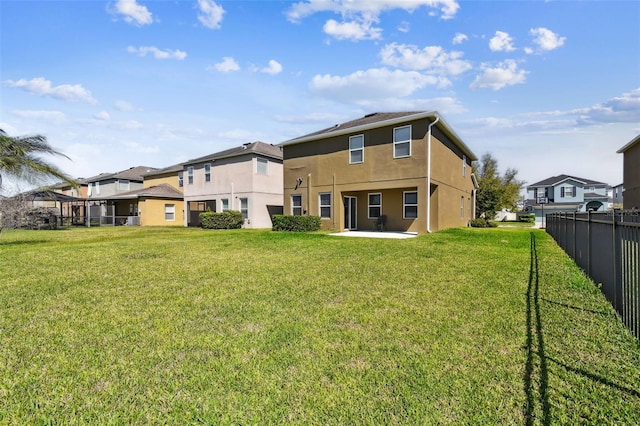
(324, 166)
(152, 212)
(631, 164)
(169, 178)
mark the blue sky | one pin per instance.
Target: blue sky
(545, 87)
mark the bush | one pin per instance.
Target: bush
(230, 219)
(482, 223)
(527, 217)
(296, 223)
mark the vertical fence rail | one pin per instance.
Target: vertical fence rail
(607, 247)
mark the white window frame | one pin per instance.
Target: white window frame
(244, 209)
(169, 212)
(190, 175)
(124, 184)
(369, 205)
(295, 207)
(396, 143)
(180, 179)
(462, 206)
(207, 172)
(224, 204)
(565, 189)
(324, 206)
(464, 165)
(353, 150)
(265, 165)
(405, 204)
(97, 188)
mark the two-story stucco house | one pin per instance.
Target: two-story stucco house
(566, 194)
(631, 173)
(406, 171)
(246, 178)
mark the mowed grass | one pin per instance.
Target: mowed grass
(187, 326)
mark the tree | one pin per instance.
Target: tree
(495, 192)
(19, 158)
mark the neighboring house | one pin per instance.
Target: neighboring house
(103, 191)
(408, 170)
(631, 173)
(246, 178)
(616, 196)
(566, 194)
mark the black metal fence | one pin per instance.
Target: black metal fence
(607, 247)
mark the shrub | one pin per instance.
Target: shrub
(527, 217)
(295, 223)
(482, 223)
(230, 219)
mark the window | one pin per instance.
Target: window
(180, 179)
(567, 191)
(296, 205)
(169, 212)
(207, 172)
(225, 204)
(462, 207)
(262, 167)
(464, 166)
(89, 189)
(325, 205)
(244, 207)
(123, 185)
(97, 188)
(356, 149)
(540, 192)
(402, 142)
(190, 175)
(375, 205)
(410, 204)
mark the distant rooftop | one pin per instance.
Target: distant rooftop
(260, 148)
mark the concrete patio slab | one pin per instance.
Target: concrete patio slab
(376, 234)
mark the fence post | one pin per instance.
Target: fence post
(615, 275)
(574, 236)
(589, 242)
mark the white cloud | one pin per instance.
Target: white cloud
(67, 92)
(210, 14)
(55, 117)
(503, 75)
(545, 39)
(501, 42)
(459, 38)
(432, 58)
(377, 83)
(239, 135)
(102, 115)
(273, 68)
(133, 13)
(228, 64)
(157, 53)
(352, 30)
(140, 148)
(359, 15)
(404, 27)
(445, 105)
(121, 105)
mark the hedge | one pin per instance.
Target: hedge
(482, 223)
(230, 219)
(295, 223)
(527, 217)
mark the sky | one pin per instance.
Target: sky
(545, 87)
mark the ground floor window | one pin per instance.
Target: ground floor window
(325, 205)
(375, 205)
(410, 204)
(169, 212)
(225, 204)
(244, 207)
(296, 205)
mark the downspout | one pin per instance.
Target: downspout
(429, 173)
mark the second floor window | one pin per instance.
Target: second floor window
(464, 166)
(123, 185)
(262, 166)
(356, 149)
(207, 172)
(180, 180)
(567, 191)
(402, 142)
(190, 175)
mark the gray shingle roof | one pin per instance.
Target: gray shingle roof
(132, 173)
(557, 179)
(259, 148)
(163, 190)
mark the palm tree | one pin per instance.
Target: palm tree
(19, 157)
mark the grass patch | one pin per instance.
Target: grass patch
(185, 326)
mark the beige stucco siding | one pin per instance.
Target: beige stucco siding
(170, 179)
(632, 177)
(323, 166)
(152, 212)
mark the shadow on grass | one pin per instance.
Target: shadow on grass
(577, 308)
(534, 332)
(22, 242)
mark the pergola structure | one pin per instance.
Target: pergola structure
(66, 206)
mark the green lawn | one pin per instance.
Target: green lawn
(185, 326)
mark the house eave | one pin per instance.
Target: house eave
(629, 145)
(442, 124)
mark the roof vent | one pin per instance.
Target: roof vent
(370, 115)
